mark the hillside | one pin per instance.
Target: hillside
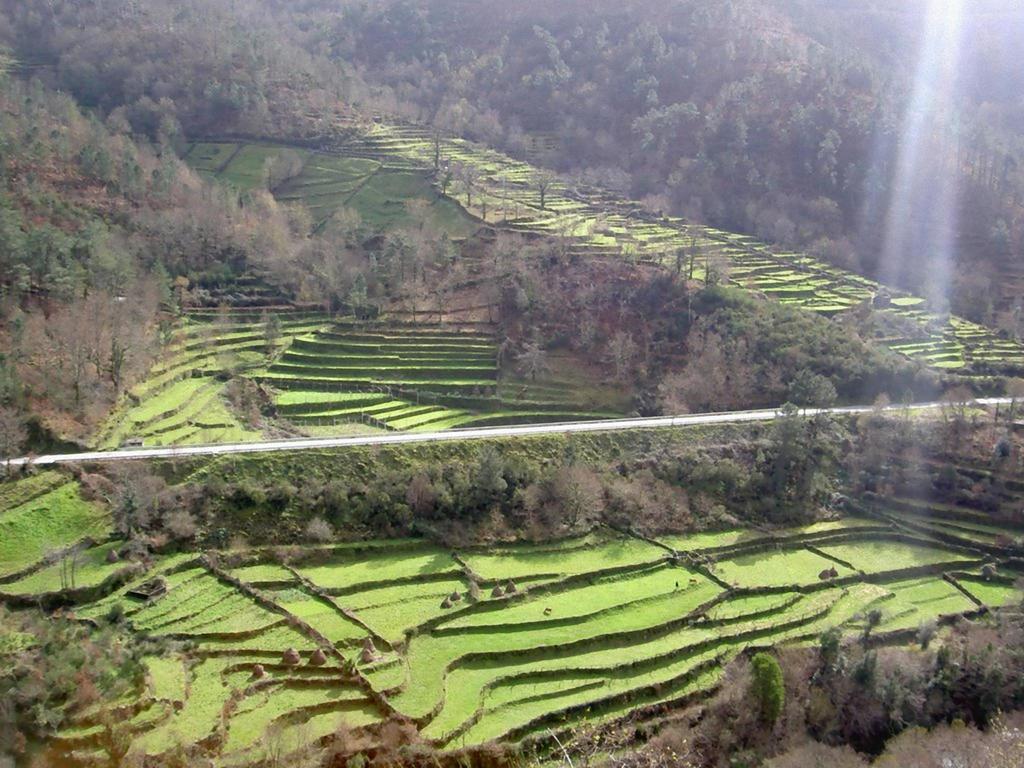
(407, 221)
(616, 614)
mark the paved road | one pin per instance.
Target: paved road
(310, 444)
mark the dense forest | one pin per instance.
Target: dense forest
(94, 225)
(786, 119)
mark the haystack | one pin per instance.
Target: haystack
(318, 659)
(291, 658)
(258, 672)
(455, 597)
(498, 591)
(447, 603)
(112, 556)
(510, 588)
(369, 653)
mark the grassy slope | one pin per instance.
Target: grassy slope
(46, 524)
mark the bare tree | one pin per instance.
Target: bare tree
(544, 181)
(281, 168)
(181, 525)
(533, 360)
(956, 406)
(13, 433)
(136, 498)
(271, 332)
(468, 176)
(421, 495)
(69, 570)
(718, 375)
(1015, 391)
(623, 351)
(578, 492)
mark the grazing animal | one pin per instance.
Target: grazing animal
(547, 611)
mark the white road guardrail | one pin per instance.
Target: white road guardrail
(482, 433)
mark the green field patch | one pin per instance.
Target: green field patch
(878, 556)
(210, 157)
(775, 568)
(166, 678)
(584, 599)
(349, 571)
(255, 714)
(46, 524)
(502, 716)
(201, 605)
(325, 617)
(151, 716)
(994, 593)
(383, 204)
(644, 663)
(752, 605)
(390, 610)
(237, 615)
(247, 169)
(161, 568)
(199, 716)
(689, 542)
(273, 642)
(14, 493)
(592, 553)
(267, 573)
(429, 655)
(968, 531)
(77, 570)
(918, 601)
(432, 419)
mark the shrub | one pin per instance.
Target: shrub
(181, 525)
(116, 613)
(926, 633)
(767, 687)
(319, 530)
(811, 389)
(830, 648)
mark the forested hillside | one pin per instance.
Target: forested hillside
(784, 119)
(778, 119)
(95, 228)
(228, 222)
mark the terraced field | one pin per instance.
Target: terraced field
(326, 377)
(499, 643)
(419, 378)
(379, 191)
(590, 222)
(182, 401)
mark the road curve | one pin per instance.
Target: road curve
(484, 433)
